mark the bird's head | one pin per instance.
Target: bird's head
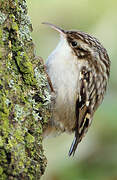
(84, 47)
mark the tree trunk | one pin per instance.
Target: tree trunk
(24, 98)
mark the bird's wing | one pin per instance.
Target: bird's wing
(83, 108)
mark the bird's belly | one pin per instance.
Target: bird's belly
(63, 72)
(64, 108)
(64, 113)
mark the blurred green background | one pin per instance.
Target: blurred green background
(96, 157)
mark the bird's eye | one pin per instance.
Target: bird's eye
(74, 43)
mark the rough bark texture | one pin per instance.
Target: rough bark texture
(24, 98)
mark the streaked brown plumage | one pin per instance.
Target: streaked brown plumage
(79, 69)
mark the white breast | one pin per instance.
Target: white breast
(63, 70)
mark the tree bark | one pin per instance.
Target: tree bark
(24, 97)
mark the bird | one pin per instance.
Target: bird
(78, 71)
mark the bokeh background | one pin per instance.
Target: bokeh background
(96, 157)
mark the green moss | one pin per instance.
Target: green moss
(12, 16)
(3, 158)
(1, 170)
(1, 142)
(26, 68)
(24, 63)
(24, 98)
(1, 42)
(2, 174)
(4, 114)
(29, 139)
(19, 135)
(15, 26)
(1, 34)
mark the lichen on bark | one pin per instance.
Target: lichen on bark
(24, 97)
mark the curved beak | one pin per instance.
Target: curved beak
(60, 30)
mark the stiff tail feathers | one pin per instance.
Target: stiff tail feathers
(74, 145)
